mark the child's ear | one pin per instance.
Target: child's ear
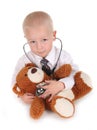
(54, 35)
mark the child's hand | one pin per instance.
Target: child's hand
(27, 98)
(52, 88)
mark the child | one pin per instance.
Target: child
(39, 32)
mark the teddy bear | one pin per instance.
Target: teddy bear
(30, 76)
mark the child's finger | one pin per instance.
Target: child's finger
(29, 94)
(50, 98)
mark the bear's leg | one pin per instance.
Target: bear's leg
(82, 85)
(62, 106)
(37, 108)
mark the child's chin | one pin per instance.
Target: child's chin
(42, 55)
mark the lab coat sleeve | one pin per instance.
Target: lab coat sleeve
(69, 81)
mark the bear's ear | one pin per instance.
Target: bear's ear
(17, 90)
(30, 65)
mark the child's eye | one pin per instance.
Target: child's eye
(31, 42)
(44, 40)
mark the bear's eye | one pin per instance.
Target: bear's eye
(25, 74)
(34, 70)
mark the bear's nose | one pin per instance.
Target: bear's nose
(33, 70)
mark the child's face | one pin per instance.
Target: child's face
(40, 40)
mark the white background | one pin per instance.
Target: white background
(76, 24)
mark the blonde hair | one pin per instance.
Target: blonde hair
(37, 18)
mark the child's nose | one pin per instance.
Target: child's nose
(39, 45)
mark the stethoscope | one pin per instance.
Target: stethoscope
(52, 71)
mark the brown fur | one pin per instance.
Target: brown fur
(37, 108)
(80, 88)
(38, 105)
